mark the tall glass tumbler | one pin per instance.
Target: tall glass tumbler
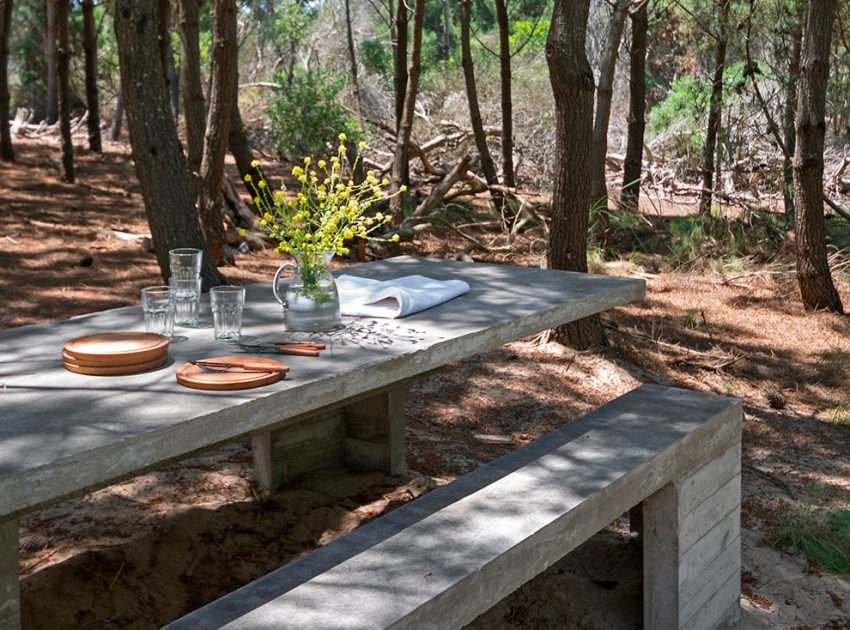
(185, 263)
(158, 307)
(227, 303)
(187, 296)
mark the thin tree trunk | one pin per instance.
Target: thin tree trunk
(118, 115)
(788, 113)
(63, 54)
(7, 151)
(633, 163)
(400, 161)
(715, 106)
(194, 107)
(52, 113)
(352, 55)
(506, 100)
(488, 167)
(572, 85)
(240, 148)
(813, 275)
(223, 72)
(447, 33)
(604, 92)
(159, 161)
(90, 47)
(400, 61)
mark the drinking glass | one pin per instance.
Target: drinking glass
(185, 263)
(187, 296)
(158, 307)
(227, 303)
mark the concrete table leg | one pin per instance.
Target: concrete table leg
(367, 433)
(10, 599)
(692, 548)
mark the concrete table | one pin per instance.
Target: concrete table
(63, 434)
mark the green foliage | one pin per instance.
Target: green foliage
(306, 114)
(820, 534)
(377, 58)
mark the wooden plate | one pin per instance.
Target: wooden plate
(114, 370)
(108, 361)
(118, 348)
(190, 375)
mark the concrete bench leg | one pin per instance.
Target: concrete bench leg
(10, 599)
(367, 433)
(692, 548)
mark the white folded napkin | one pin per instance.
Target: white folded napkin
(399, 297)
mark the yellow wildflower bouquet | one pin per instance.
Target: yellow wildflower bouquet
(328, 210)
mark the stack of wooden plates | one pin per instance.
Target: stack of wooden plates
(114, 353)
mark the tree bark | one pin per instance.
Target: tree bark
(715, 106)
(166, 56)
(352, 55)
(633, 163)
(788, 113)
(572, 86)
(813, 276)
(118, 114)
(604, 92)
(63, 58)
(488, 167)
(223, 73)
(7, 151)
(159, 161)
(400, 160)
(194, 107)
(90, 47)
(240, 148)
(506, 99)
(400, 60)
(52, 113)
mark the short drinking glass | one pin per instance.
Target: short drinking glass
(185, 263)
(227, 302)
(187, 294)
(158, 306)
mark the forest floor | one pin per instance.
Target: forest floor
(142, 552)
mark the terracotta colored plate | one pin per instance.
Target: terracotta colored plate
(190, 375)
(115, 370)
(118, 348)
(109, 361)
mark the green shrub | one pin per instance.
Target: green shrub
(305, 116)
(820, 534)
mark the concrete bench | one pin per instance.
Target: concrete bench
(440, 561)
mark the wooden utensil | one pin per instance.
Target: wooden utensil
(221, 366)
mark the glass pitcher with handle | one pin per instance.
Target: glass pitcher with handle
(309, 297)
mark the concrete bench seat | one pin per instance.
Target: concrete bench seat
(445, 558)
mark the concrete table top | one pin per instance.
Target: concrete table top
(63, 433)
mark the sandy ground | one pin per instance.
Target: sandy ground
(145, 551)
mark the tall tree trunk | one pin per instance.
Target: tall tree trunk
(164, 40)
(159, 161)
(400, 60)
(7, 152)
(352, 55)
(118, 114)
(400, 160)
(506, 100)
(240, 147)
(632, 166)
(63, 71)
(715, 105)
(604, 92)
(194, 107)
(790, 109)
(223, 72)
(487, 164)
(572, 85)
(446, 44)
(90, 47)
(813, 274)
(52, 113)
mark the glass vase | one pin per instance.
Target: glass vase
(309, 297)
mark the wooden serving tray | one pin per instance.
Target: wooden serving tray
(117, 349)
(109, 362)
(113, 370)
(192, 376)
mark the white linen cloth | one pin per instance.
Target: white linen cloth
(399, 297)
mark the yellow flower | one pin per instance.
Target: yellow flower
(343, 137)
(361, 145)
(255, 163)
(402, 188)
(247, 179)
(307, 160)
(257, 200)
(297, 170)
(322, 164)
(395, 238)
(261, 184)
(341, 149)
(279, 195)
